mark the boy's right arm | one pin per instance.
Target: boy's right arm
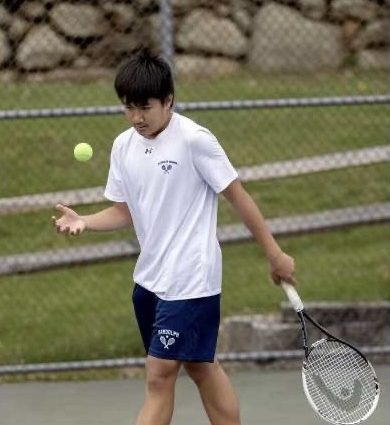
(113, 218)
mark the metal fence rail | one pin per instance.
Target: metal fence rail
(275, 170)
(286, 226)
(203, 106)
(242, 357)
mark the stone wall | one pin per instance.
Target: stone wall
(211, 37)
(360, 323)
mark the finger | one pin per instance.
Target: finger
(62, 208)
(290, 279)
(54, 220)
(275, 278)
(62, 229)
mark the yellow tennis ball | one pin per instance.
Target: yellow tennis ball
(83, 152)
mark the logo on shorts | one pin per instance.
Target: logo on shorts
(168, 337)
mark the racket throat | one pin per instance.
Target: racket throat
(304, 334)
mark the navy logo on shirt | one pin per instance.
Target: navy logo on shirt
(167, 166)
(148, 151)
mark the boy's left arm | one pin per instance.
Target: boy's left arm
(281, 264)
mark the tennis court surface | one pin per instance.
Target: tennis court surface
(267, 397)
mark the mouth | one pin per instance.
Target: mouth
(140, 127)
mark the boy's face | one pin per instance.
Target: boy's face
(150, 119)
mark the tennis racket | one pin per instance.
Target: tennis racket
(339, 382)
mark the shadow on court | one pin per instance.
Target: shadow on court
(266, 397)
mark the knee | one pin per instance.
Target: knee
(161, 376)
(158, 383)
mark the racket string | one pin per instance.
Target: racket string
(339, 382)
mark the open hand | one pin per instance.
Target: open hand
(69, 223)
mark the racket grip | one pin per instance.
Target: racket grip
(293, 296)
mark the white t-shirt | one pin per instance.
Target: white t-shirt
(170, 184)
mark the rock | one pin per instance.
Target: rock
(199, 66)
(70, 74)
(42, 48)
(315, 46)
(222, 10)
(79, 20)
(258, 333)
(243, 19)
(5, 16)
(186, 5)
(33, 10)
(122, 16)
(82, 62)
(7, 76)
(314, 9)
(5, 49)
(111, 49)
(154, 26)
(363, 10)
(289, 2)
(374, 60)
(242, 14)
(18, 28)
(205, 32)
(376, 33)
(147, 6)
(350, 28)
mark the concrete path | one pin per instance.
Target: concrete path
(267, 397)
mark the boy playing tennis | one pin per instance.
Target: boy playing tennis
(165, 176)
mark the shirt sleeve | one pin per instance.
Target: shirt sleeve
(114, 190)
(211, 161)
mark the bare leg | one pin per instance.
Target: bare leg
(161, 377)
(216, 391)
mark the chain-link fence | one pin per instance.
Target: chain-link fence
(296, 92)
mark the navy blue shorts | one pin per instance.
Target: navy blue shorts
(185, 330)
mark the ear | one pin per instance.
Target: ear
(169, 102)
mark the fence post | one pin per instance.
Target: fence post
(167, 36)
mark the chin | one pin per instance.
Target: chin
(144, 132)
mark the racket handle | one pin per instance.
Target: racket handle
(293, 296)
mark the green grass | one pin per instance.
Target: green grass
(248, 84)
(254, 85)
(349, 265)
(37, 154)
(85, 312)
(297, 195)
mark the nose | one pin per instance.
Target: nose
(136, 116)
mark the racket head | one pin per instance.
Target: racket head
(339, 382)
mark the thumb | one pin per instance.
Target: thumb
(63, 209)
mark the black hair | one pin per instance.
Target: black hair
(142, 76)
